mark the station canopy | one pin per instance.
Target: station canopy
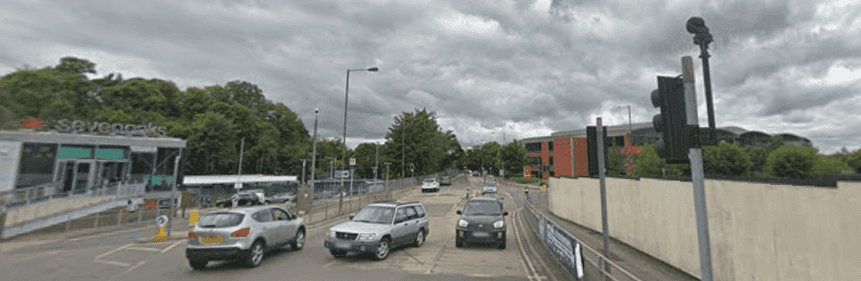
(230, 179)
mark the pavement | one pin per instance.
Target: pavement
(639, 264)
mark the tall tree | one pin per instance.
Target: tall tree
(415, 138)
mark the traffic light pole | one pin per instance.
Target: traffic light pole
(697, 174)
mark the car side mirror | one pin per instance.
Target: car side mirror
(459, 212)
(505, 213)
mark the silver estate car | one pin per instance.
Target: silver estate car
(378, 228)
(243, 233)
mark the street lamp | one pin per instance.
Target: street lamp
(314, 149)
(346, 98)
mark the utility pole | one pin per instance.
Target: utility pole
(697, 173)
(403, 151)
(377, 165)
(239, 173)
(314, 149)
(388, 191)
(303, 170)
(601, 170)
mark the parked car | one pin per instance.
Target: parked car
(244, 198)
(430, 184)
(243, 233)
(445, 180)
(165, 203)
(475, 174)
(481, 221)
(378, 228)
(281, 198)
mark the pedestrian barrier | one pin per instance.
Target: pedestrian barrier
(579, 260)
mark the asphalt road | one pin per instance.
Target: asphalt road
(117, 256)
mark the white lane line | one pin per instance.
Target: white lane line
(171, 246)
(144, 249)
(535, 254)
(114, 263)
(528, 268)
(113, 251)
(127, 271)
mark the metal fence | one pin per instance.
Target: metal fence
(579, 260)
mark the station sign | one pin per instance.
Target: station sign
(104, 128)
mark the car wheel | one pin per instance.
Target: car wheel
(500, 245)
(382, 250)
(338, 253)
(198, 265)
(255, 257)
(458, 243)
(420, 238)
(299, 240)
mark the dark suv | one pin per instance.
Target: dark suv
(481, 221)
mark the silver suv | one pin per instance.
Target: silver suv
(243, 233)
(378, 228)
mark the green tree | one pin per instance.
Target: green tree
(790, 161)
(854, 161)
(513, 157)
(648, 164)
(616, 161)
(826, 165)
(417, 138)
(725, 159)
(758, 157)
(366, 157)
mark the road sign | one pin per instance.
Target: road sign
(237, 185)
(161, 221)
(352, 161)
(342, 174)
(234, 199)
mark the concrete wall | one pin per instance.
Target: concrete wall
(53, 207)
(757, 231)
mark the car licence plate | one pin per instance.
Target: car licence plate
(480, 234)
(342, 245)
(211, 239)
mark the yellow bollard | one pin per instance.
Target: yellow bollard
(192, 218)
(160, 235)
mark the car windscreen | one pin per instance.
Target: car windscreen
(375, 214)
(429, 180)
(487, 208)
(219, 220)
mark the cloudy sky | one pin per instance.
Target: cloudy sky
(524, 67)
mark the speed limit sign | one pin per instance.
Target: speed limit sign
(161, 221)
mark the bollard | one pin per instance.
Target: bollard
(120, 218)
(140, 214)
(96, 224)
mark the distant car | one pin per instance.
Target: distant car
(243, 233)
(430, 185)
(494, 195)
(378, 228)
(488, 187)
(165, 203)
(281, 198)
(481, 221)
(475, 174)
(445, 180)
(244, 198)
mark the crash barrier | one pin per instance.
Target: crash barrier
(580, 261)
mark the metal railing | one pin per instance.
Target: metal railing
(14, 199)
(568, 250)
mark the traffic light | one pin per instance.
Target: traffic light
(675, 138)
(592, 150)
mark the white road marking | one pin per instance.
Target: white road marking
(114, 263)
(144, 249)
(127, 271)
(171, 246)
(535, 253)
(530, 270)
(113, 251)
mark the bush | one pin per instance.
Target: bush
(725, 159)
(825, 166)
(790, 161)
(854, 161)
(649, 165)
(758, 157)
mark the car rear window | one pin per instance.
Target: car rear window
(429, 180)
(219, 220)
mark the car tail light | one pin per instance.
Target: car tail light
(191, 235)
(241, 233)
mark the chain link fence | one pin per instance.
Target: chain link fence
(579, 260)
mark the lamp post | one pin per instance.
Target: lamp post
(702, 38)
(239, 172)
(314, 148)
(346, 98)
